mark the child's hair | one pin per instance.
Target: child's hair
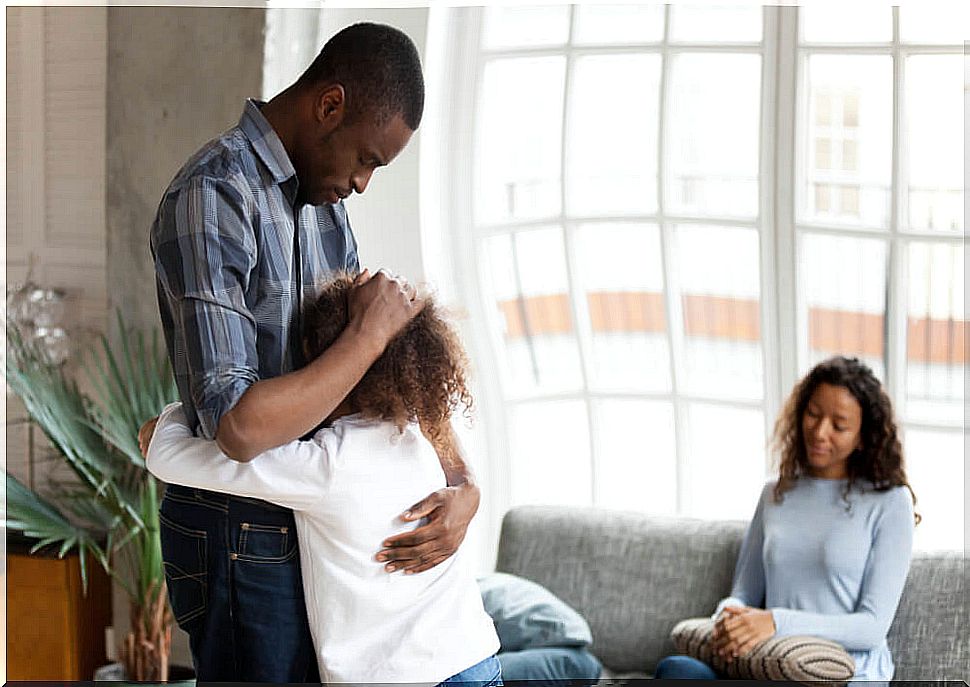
(419, 377)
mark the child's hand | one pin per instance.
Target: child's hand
(145, 435)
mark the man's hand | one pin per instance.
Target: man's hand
(449, 511)
(738, 629)
(382, 305)
(145, 435)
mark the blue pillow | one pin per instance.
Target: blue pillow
(529, 616)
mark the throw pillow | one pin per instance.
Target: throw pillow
(529, 616)
(799, 658)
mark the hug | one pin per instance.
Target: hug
(313, 527)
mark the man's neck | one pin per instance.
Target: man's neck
(279, 112)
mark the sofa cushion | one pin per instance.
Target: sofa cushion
(631, 576)
(805, 659)
(528, 616)
(930, 635)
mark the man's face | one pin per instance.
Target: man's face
(338, 163)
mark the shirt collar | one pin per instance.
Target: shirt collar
(266, 142)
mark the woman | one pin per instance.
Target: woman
(827, 551)
(374, 457)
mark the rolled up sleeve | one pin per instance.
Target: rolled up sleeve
(204, 250)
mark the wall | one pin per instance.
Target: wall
(177, 76)
(56, 71)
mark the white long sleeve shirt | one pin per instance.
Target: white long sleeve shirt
(827, 568)
(347, 488)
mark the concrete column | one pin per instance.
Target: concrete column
(177, 77)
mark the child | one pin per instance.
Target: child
(373, 458)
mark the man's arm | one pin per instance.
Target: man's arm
(275, 411)
(204, 248)
(449, 512)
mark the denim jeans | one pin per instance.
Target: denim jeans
(487, 673)
(683, 668)
(232, 567)
(550, 667)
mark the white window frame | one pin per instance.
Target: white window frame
(783, 313)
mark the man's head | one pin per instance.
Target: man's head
(363, 97)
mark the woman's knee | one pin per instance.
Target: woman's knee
(683, 668)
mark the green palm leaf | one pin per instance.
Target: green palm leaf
(110, 509)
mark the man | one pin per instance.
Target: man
(244, 233)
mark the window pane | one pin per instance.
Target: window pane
(716, 23)
(636, 459)
(718, 270)
(610, 24)
(934, 23)
(843, 284)
(726, 461)
(612, 166)
(846, 140)
(621, 272)
(934, 141)
(519, 146)
(527, 280)
(934, 465)
(712, 161)
(515, 27)
(550, 454)
(846, 23)
(936, 334)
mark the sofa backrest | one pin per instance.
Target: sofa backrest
(634, 576)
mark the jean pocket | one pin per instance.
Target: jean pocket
(262, 543)
(184, 552)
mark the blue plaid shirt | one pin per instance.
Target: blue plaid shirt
(235, 258)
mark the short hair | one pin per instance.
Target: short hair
(379, 68)
(420, 377)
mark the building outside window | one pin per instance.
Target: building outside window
(675, 212)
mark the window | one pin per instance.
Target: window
(674, 212)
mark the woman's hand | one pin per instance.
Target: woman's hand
(739, 629)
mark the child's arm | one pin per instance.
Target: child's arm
(295, 475)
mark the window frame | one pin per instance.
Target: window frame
(784, 320)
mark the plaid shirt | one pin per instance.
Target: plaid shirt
(235, 258)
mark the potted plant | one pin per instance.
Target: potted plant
(108, 511)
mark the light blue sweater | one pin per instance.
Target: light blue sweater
(827, 568)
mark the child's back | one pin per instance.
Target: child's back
(370, 625)
(348, 487)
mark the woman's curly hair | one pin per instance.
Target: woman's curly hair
(420, 377)
(879, 459)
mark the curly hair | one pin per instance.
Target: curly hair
(880, 457)
(420, 377)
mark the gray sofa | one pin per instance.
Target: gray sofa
(633, 576)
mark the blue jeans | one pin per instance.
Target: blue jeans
(550, 667)
(487, 673)
(683, 668)
(232, 568)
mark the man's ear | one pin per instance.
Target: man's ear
(330, 106)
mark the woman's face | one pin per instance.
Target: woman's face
(831, 427)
